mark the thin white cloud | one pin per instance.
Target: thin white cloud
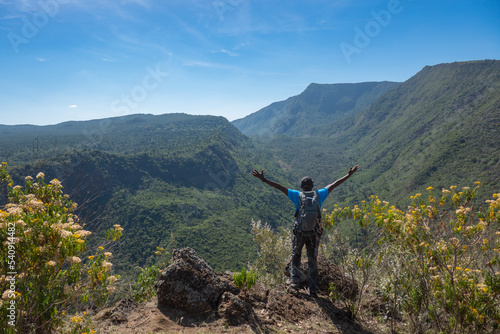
(229, 53)
(42, 59)
(73, 106)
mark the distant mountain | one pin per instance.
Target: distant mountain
(317, 107)
(132, 133)
(439, 128)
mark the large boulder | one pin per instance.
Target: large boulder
(190, 284)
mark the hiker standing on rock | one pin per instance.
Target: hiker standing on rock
(307, 228)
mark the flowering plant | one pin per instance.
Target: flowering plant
(438, 260)
(43, 273)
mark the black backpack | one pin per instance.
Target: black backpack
(308, 214)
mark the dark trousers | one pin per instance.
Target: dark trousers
(311, 241)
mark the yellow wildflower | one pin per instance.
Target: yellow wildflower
(76, 319)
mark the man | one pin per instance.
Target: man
(309, 239)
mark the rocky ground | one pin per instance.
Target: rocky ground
(192, 298)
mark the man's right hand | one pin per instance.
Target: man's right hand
(273, 184)
(258, 175)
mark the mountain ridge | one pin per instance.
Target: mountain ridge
(317, 104)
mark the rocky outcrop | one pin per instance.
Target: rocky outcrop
(191, 285)
(193, 298)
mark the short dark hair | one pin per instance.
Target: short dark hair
(306, 181)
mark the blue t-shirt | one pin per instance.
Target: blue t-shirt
(293, 195)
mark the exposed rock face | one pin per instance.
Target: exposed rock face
(189, 283)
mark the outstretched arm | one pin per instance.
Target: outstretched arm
(337, 183)
(269, 182)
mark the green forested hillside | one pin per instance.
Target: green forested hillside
(317, 108)
(179, 180)
(438, 128)
(169, 181)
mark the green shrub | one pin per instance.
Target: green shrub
(143, 288)
(273, 255)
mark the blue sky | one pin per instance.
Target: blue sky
(64, 60)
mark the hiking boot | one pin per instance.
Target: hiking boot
(295, 286)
